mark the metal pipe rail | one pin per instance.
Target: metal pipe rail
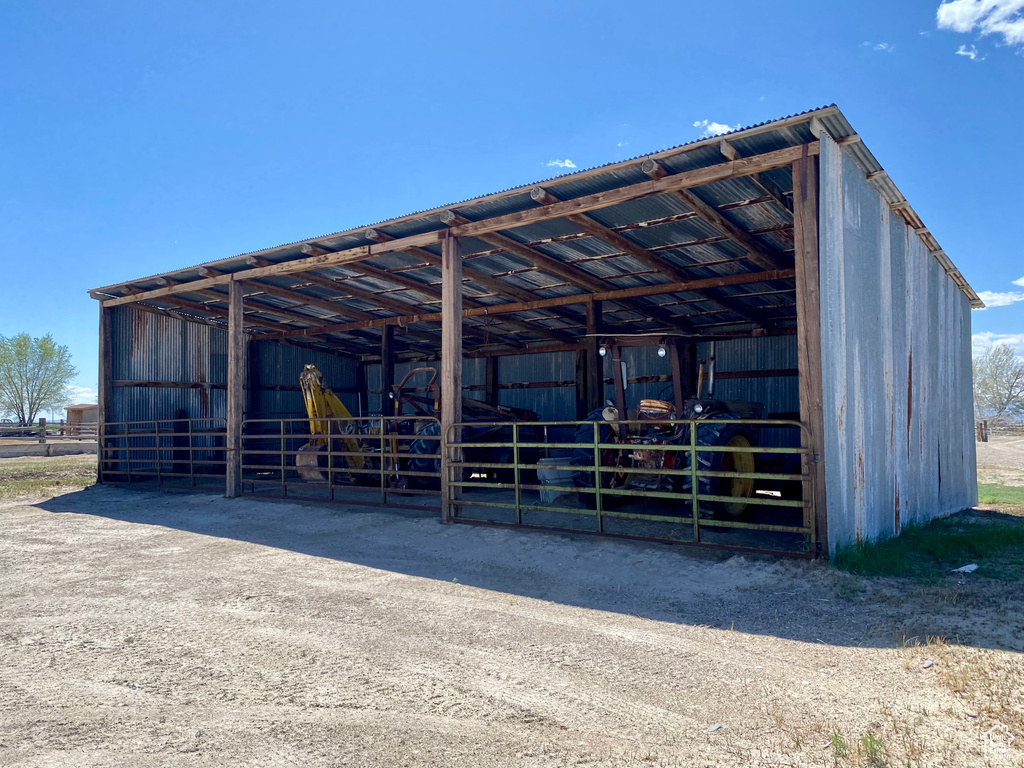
(137, 451)
(682, 490)
(360, 453)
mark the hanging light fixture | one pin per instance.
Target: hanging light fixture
(661, 350)
(602, 350)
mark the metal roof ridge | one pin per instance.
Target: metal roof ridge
(794, 119)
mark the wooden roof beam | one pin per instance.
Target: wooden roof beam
(653, 260)
(596, 229)
(381, 274)
(744, 166)
(617, 295)
(593, 284)
(311, 301)
(756, 252)
(426, 291)
(469, 272)
(571, 274)
(760, 179)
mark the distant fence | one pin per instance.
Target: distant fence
(983, 428)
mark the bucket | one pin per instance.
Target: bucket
(555, 477)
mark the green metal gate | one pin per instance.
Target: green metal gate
(530, 478)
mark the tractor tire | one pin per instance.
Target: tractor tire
(717, 434)
(584, 457)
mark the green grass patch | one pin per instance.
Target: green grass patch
(929, 552)
(45, 477)
(1000, 494)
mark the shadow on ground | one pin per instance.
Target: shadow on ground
(798, 600)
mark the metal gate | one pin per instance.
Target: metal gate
(663, 481)
(177, 452)
(368, 459)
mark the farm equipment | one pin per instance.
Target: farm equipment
(322, 406)
(412, 434)
(650, 430)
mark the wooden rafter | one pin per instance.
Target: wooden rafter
(477, 276)
(587, 281)
(772, 190)
(619, 295)
(596, 229)
(745, 166)
(571, 274)
(757, 252)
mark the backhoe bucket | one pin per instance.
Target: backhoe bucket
(307, 461)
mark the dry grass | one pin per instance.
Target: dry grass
(32, 478)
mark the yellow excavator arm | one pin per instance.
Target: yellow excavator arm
(321, 402)
(321, 405)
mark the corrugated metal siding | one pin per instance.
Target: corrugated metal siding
(549, 403)
(473, 374)
(896, 366)
(149, 347)
(273, 365)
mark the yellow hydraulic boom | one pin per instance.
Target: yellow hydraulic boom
(322, 405)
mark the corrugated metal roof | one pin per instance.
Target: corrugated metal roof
(748, 204)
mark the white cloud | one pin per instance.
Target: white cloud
(971, 53)
(623, 144)
(1004, 18)
(982, 342)
(1019, 281)
(567, 163)
(997, 299)
(884, 47)
(79, 395)
(712, 128)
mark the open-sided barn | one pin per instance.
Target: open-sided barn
(784, 345)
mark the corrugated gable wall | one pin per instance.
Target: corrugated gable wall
(155, 348)
(896, 366)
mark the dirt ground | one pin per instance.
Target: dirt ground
(1001, 460)
(169, 629)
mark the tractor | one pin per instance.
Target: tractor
(649, 429)
(417, 409)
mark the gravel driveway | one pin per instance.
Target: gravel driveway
(158, 629)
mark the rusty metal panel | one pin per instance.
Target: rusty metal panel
(898, 443)
(155, 348)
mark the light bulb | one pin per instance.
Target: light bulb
(602, 350)
(661, 350)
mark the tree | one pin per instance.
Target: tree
(999, 385)
(34, 376)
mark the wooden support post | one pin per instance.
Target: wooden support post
(235, 391)
(680, 379)
(594, 361)
(580, 383)
(808, 316)
(491, 380)
(387, 369)
(451, 369)
(105, 412)
(615, 352)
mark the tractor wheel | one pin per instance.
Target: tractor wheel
(726, 435)
(583, 457)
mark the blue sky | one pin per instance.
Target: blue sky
(137, 138)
